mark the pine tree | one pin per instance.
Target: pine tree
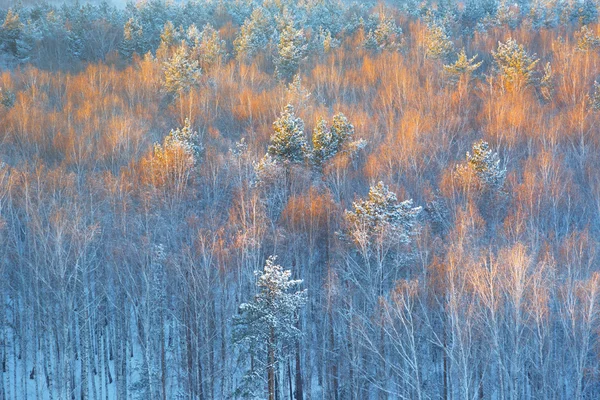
(515, 65)
(586, 39)
(547, 83)
(462, 66)
(254, 35)
(386, 36)
(168, 35)
(10, 32)
(288, 144)
(133, 38)
(7, 98)
(297, 94)
(329, 141)
(324, 42)
(206, 47)
(180, 73)
(595, 97)
(187, 139)
(323, 146)
(381, 213)
(438, 44)
(588, 12)
(291, 49)
(267, 326)
(380, 229)
(484, 164)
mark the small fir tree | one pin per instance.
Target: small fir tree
(386, 36)
(462, 66)
(187, 139)
(595, 97)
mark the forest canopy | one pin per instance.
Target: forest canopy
(295, 200)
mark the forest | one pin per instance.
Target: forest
(315, 199)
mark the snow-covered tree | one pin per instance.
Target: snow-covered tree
(462, 66)
(10, 32)
(381, 213)
(288, 144)
(595, 97)
(324, 42)
(484, 165)
(7, 97)
(207, 46)
(438, 44)
(586, 39)
(326, 15)
(547, 83)
(168, 39)
(180, 73)
(133, 38)
(254, 35)
(266, 326)
(475, 11)
(386, 36)
(506, 15)
(187, 139)
(515, 65)
(329, 141)
(588, 12)
(297, 94)
(291, 49)
(379, 229)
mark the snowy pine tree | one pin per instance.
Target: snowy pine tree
(462, 66)
(515, 65)
(484, 164)
(292, 48)
(206, 47)
(595, 97)
(329, 141)
(324, 42)
(288, 144)
(254, 35)
(381, 213)
(7, 97)
(438, 44)
(180, 73)
(10, 32)
(168, 39)
(266, 326)
(586, 39)
(187, 139)
(133, 38)
(386, 36)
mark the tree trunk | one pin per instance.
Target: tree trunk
(271, 365)
(299, 392)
